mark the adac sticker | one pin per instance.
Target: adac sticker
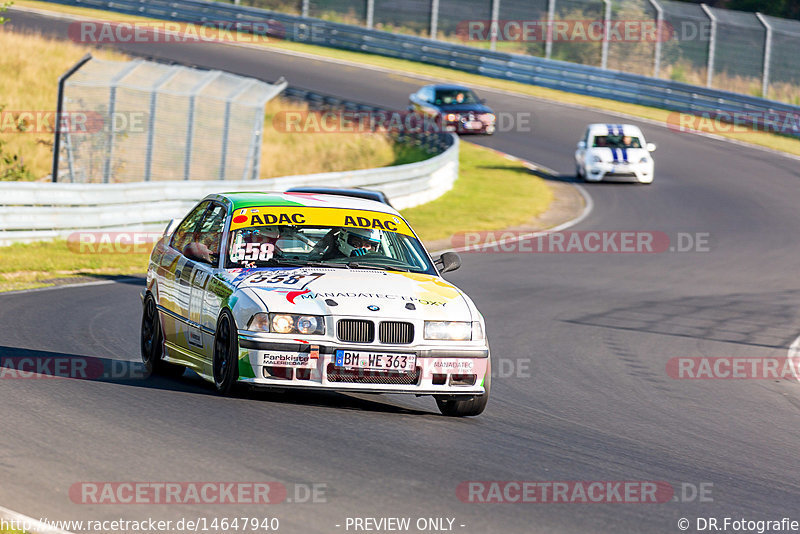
(315, 216)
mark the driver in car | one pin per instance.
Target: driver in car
(353, 242)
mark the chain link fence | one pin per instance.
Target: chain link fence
(724, 49)
(142, 121)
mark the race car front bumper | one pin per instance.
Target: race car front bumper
(620, 171)
(437, 370)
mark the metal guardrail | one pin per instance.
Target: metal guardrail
(571, 77)
(32, 211)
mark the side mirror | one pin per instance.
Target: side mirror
(651, 147)
(171, 227)
(198, 252)
(581, 144)
(448, 261)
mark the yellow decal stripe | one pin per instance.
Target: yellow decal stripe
(306, 216)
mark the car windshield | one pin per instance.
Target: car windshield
(455, 96)
(266, 245)
(617, 141)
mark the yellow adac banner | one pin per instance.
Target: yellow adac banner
(311, 216)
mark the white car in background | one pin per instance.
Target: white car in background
(615, 152)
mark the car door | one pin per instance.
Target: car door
(204, 304)
(175, 290)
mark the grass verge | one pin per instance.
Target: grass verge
(769, 140)
(475, 203)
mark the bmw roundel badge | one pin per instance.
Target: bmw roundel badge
(372, 307)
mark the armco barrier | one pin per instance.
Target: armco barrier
(571, 77)
(31, 211)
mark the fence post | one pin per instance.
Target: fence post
(304, 8)
(59, 110)
(767, 55)
(493, 25)
(606, 34)
(434, 18)
(551, 14)
(370, 13)
(712, 44)
(659, 36)
(112, 108)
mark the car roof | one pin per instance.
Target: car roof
(357, 192)
(450, 87)
(603, 129)
(237, 200)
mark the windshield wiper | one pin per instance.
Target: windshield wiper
(303, 263)
(356, 265)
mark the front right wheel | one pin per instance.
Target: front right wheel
(226, 354)
(469, 407)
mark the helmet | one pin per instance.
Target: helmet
(358, 241)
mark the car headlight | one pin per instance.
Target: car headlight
(644, 159)
(488, 117)
(448, 330)
(284, 323)
(597, 159)
(452, 117)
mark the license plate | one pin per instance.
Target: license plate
(473, 125)
(375, 361)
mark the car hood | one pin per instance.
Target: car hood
(464, 108)
(357, 292)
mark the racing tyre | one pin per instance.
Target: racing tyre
(226, 354)
(467, 408)
(579, 173)
(152, 342)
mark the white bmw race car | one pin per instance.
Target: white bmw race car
(311, 291)
(615, 152)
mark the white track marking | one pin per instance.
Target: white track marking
(36, 526)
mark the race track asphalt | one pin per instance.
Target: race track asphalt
(585, 339)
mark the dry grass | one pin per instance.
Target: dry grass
(34, 88)
(28, 85)
(284, 154)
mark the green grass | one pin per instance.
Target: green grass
(492, 192)
(400, 66)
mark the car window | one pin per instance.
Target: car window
(210, 230)
(455, 96)
(616, 141)
(185, 232)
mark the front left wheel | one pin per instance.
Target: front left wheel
(226, 354)
(152, 342)
(469, 407)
